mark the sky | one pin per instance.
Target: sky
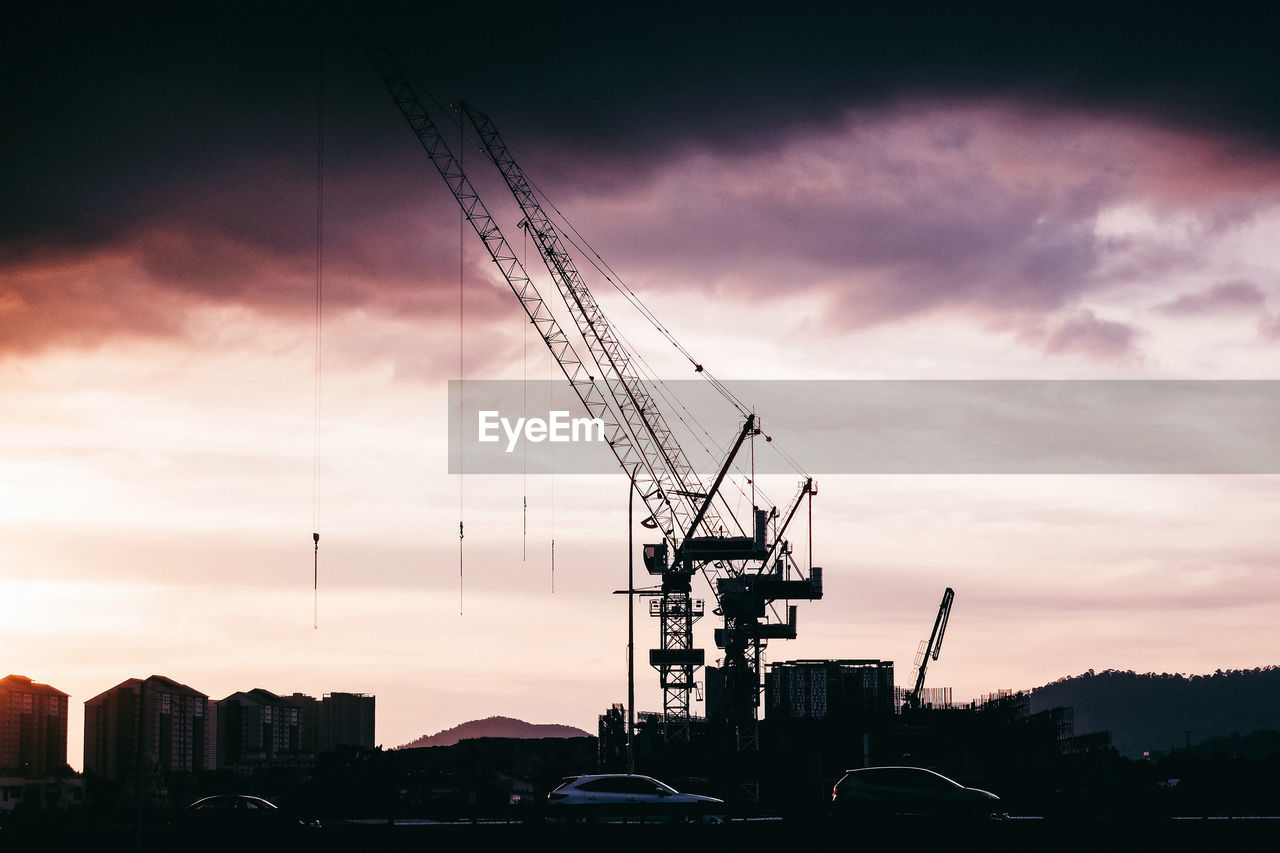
(852, 193)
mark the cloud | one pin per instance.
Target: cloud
(894, 214)
(1237, 296)
(1269, 327)
(1088, 335)
(74, 301)
(991, 210)
(161, 284)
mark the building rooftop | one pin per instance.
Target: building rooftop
(167, 685)
(22, 684)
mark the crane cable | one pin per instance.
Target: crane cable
(601, 266)
(524, 410)
(587, 252)
(462, 248)
(715, 450)
(552, 453)
(610, 275)
(315, 485)
(592, 257)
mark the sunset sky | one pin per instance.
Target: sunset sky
(921, 194)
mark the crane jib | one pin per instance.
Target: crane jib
(609, 385)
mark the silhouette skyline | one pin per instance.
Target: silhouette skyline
(1142, 713)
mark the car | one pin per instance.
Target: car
(240, 815)
(231, 804)
(909, 792)
(626, 796)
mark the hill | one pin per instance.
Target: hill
(1158, 713)
(503, 727)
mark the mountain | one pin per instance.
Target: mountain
(495, 727)
(1158, 713)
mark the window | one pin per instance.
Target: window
(623, 785)
(637, 785)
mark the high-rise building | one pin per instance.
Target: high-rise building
(257, 728)
(336, 719)
(309, 721)
(33, 728)
(171, 727)
(346, 719)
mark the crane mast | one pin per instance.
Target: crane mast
(747, 572)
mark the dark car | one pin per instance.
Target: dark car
(239, 816)
(909, 792)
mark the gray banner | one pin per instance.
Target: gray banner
(891, 427)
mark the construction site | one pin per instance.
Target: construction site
(774, 736)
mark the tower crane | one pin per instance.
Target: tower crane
(931, 648)
(747, 572)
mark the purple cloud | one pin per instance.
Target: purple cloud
(1088, 335)
(1228, 297)
(979, 209)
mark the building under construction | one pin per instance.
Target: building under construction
(823, 717)
(853, 691)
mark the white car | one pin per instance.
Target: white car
(624, 796)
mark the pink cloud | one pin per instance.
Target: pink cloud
(77, 301)
(147, 282)
(1088, 335)
(1228, 297)
(986, 209)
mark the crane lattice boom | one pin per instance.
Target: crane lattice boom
(748, 572)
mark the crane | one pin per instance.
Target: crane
(931, 648)
(747, 572)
